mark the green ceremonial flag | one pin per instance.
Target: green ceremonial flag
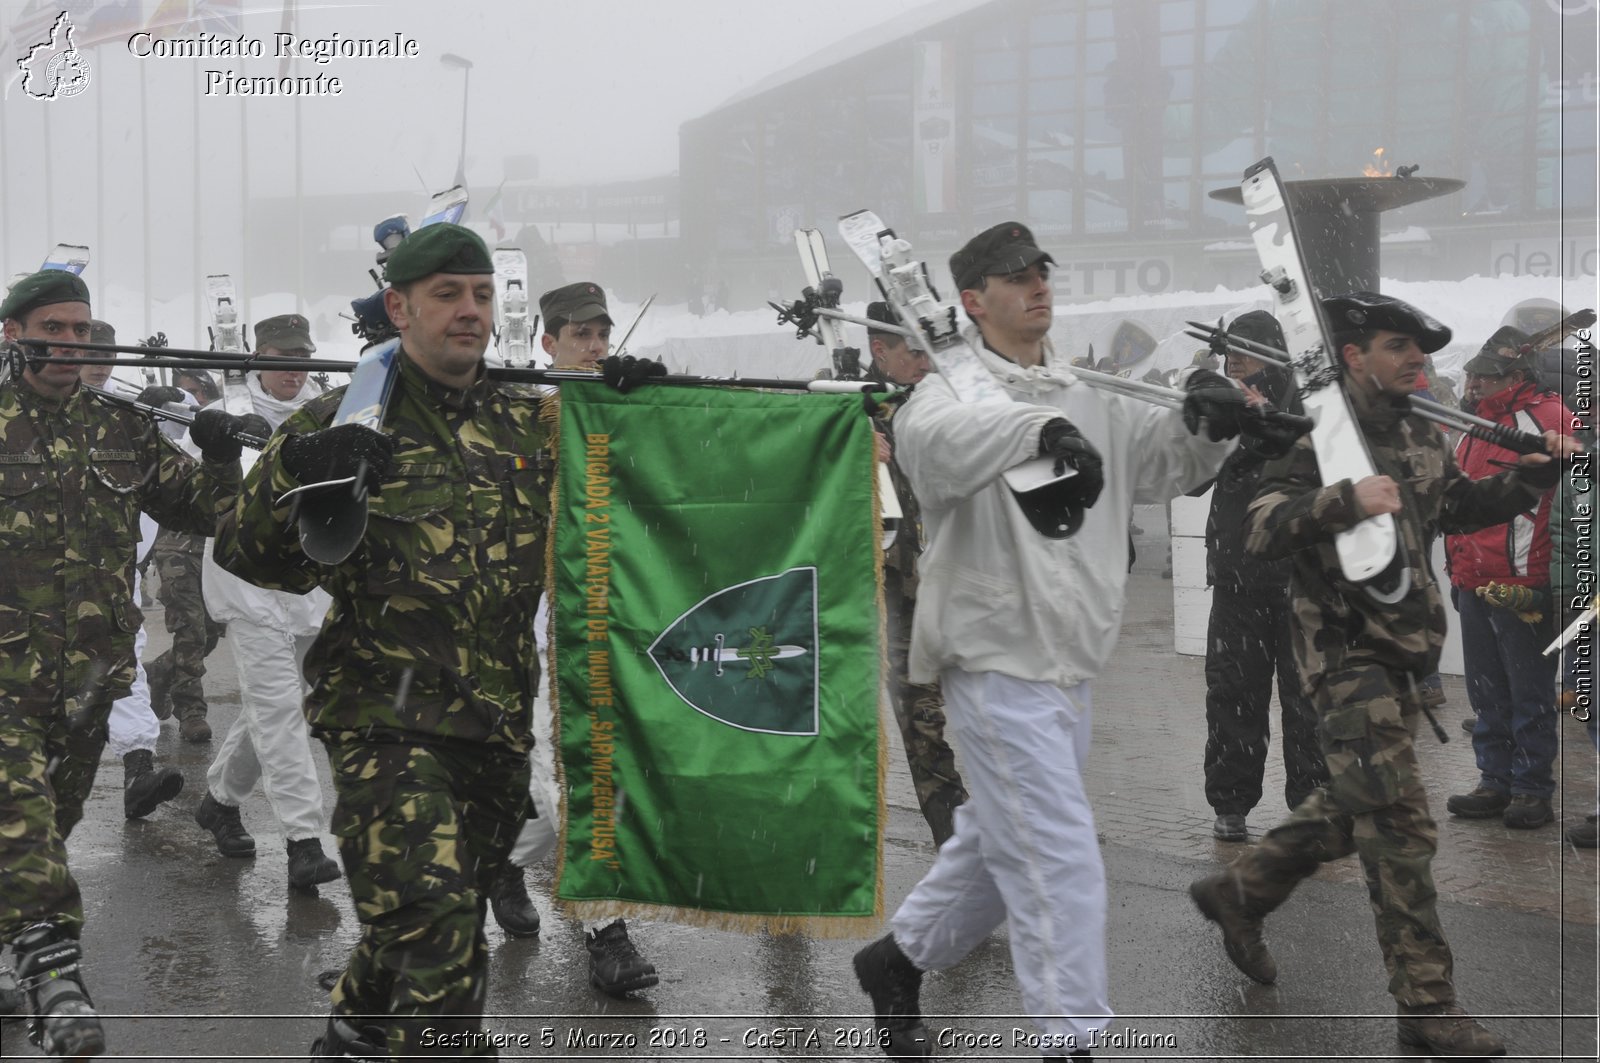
(715, 636)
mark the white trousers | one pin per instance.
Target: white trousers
(1024, 848)
(269, 741)
(133, 725)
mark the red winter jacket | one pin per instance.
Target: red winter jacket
(1519, 551)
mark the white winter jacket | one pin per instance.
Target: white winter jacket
(994, 595)
(229, 598)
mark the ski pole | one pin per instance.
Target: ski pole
(161, 413)
(636, 319)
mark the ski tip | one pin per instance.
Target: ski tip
(1262, 166)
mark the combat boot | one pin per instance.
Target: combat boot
(64, 1023)
(895, 984)
(1527, 812)
(343, 1042)
(1219, 900)
(193, 728)
(615, 966)
(1481, 803)
(223, 823)
(143, 787)
(513, 908)
(308, 864)
(1447, 1030)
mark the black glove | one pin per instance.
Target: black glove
(255, 425)
(160, 395)
(1543, 476)
(338, 452)
(1060, 439)
(1213, 397)
(216, 433)
(628, 372)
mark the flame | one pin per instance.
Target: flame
(1379, 167)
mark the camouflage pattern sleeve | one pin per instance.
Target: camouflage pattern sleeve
(1293, 509)
(1469, 504)
(187, 495)
(256, 540)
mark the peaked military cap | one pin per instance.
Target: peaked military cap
(286, 332)
(583, 301)
(101, 332)
(443, 247)
(41, 289)
(1005, 248)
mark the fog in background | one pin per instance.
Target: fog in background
(1102, 125)
(594, 92)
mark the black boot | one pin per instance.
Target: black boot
(144, 787)
(512, 907)
(308, 865)
(894, 983)
(64, 1023)
(223, 823)
(615, 966)
(343, 1042)
(10, 993)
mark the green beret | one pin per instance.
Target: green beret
(583, 301)
(438, 248)
(41, 289)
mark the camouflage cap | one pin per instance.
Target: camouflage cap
(286, 332)
(583, 301)
(439, 248)
(41, 289)
(101, 332)
(1502, 353)
(1005, 248)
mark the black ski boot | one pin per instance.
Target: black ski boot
(615, 966)
(308, 865)
(344, 1042)
(64, 1023)
(513, 908)
(144, 787)
(894, 983)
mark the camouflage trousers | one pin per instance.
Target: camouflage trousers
(422, 831)
(1373, 805)
(39, 806)
(176, 675)
(919, 710)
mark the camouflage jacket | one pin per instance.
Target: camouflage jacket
(430, 635)
(74, 475)
(1338, 625)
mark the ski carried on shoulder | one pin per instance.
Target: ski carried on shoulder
(906, 288)
(72, 258)
(824, 289)
(513, 330)
(1370, 553)
(227, 336)
(332, 514)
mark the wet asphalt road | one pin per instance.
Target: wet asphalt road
(193, 956)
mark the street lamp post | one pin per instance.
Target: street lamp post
(464, 65)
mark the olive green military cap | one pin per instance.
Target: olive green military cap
(439, 248)
(101, 332)
(286, 332)
(583, 301)
(41, 289)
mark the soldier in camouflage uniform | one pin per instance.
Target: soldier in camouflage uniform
(75, 472)
(1361, 662)
(176, 675)
(918, 707)
(424, 673)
